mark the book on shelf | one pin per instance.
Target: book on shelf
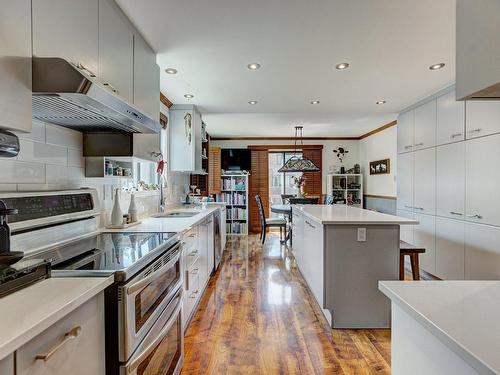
(239, 199)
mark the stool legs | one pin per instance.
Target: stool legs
(415, 269)
(401, 267)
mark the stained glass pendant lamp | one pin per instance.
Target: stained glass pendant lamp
(298, 163)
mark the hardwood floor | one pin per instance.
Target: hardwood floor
(257, 316)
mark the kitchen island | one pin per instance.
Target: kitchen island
(343, 252)
(444, 327)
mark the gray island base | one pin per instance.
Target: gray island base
(343, 252)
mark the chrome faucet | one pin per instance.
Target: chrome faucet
(161, 206)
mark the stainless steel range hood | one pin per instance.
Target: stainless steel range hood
(66, 95)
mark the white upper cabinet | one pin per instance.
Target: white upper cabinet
(116, 50)
(405, 132)
(67, 29)
(483, 180)
(425, 181)
(450, 249)
(425, 125)
(425, 236)
(15, 65)
(185, 138)
(405, 181)
(450, 119)
(450, 180)
(482, 253)
(146, 79)
(483, 118)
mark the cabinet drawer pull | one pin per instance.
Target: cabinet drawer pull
(408, 206)
(194, 271)
(72, 334)
(474, 130)
(192, 235)
(456, 213)
(110, 87)
(419, 208)
(193, 295)
(455, 135)
(419, 144)
(408, 147)
(193, 253)
(476, 216)
(312, 226)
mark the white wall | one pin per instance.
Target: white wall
(381, 145)
(329, 159)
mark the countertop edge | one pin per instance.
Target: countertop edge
(437, 332)
(355, 222)
(46, 322)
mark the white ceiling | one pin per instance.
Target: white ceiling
(389, 44)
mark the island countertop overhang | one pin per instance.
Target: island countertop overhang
(347, 215)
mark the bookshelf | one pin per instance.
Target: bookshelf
(234, 192)
(346, 189)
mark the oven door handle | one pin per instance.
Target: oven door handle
(146, 352)
(141, 284)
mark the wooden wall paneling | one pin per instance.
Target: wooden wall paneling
(314, 182)
(259, 184)
(214, 170)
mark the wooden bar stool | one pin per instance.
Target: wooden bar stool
(413, 252)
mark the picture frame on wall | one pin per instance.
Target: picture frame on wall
(380, 166)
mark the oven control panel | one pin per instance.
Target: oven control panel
(35, 207)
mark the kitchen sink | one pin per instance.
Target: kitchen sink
(179, 214)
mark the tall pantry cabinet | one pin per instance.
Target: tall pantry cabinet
(448, 181)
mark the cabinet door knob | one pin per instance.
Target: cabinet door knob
(72, 334)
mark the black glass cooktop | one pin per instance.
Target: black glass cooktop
(108, 253)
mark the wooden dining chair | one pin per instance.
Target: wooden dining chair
(276, 222)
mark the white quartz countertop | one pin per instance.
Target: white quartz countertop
(172, 224)
(30, 311)
(463, 315)
(343, 214)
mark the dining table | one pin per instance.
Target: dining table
(284, 209)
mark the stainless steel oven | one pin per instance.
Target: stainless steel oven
(142, 300)
(162, 350)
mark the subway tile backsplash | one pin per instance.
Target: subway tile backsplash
(51, 158)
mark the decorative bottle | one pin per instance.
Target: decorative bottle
(132, 209)
(117, 214)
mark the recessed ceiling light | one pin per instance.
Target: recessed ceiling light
(253, 66)
(171, 71)
(253, 102)
(342, 66)
(315, 101)
(436, 66)
(189, 96)
(381, 102)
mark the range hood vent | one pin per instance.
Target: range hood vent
(68, 96)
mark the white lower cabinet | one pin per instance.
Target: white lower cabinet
(425, 181)
(482, 252)
(405, 181)
(425, 236)
(312, 257)
(406, 231)
(450, 180)
(483, 180)
(7, 365)
(74, 345)
(450, 249)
